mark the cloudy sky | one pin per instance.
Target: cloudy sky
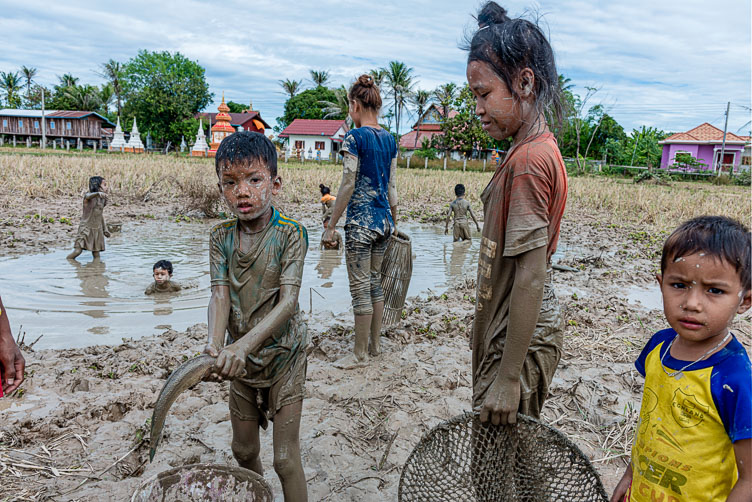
(670, 64)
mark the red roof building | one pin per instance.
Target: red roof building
(427, 126)
(249, 120)
(314, 139)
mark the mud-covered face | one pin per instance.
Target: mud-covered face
(701, 295)
(248, 189)
(103, 186)
(500, 113)
(161, 276)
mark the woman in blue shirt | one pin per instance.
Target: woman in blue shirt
(369, 193)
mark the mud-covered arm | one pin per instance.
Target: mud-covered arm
(272, 322)
(472, 215)
(524, 307)
(91, 195)
(11, 359)
(392, 189)
(448, 217)
(742, 490)
(219, 314)
(350, 167)
(623, 486)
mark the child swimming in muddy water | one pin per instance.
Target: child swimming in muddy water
(460, 208)
(163, 283)
(256, 267)
(336, 243)
(694, 437)
(92, 229)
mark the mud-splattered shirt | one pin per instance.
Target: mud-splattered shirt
(369, 204)
(522, 209)
(461, 209)
(254, 279)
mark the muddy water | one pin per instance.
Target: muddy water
(88, 302)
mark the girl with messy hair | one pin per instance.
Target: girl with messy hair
(517, 331)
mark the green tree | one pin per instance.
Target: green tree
(106, 97)
(445, 95)
(28, 76)
(113, 71)
(10, 83)
(162, 89)
(319, 78)
(291, 87)
(61, 99)
(34, 101)
(399, 79)
(421, 99)
(307, 105)
(236, 107)
(339, 107)
(464, 131)
(641, 148)
(83, 97)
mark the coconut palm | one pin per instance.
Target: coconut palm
(83, 97)
(113, 71)
(339, 107)
(319, 78)
(68, 80)
(445, 96)
(291, 87)
(28, 75)
(10, 83)
(421, 99)
(378, 75)
(399, 80)
(106, 96)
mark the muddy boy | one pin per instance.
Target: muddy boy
(256, 265)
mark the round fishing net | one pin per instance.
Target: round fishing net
(464, 460)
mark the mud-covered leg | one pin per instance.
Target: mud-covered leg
(95, 254)
(374, 348)
(377, 295)
(74, 254)
(287, 461)
(244, 417)
(362, 334)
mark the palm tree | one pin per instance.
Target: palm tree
(445, 96)
(113, 71)
(339, 107)
(28, 75)
(83, 97)
(420, 99)
(106, 95)
(291, 87)
(319, 78)
(399, 78)
(68, 80)
(11, 85)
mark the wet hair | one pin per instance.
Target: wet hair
(95, 183)
(366, 92)
(326, 220)
(717, 236)
(324, 189)
(510, 45)
(246, 147)
(164, 265)
(459, 190)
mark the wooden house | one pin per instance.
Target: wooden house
(59, 125)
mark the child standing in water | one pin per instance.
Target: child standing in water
(369, 192)
(92, 229)
(517, 331)
(163, 283)
(256, 266)
(327, 201)
(694, 437)
(460, 208)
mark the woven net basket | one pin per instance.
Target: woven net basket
(464, 460)
(205, 483)
(396, 271)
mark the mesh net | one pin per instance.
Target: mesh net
(464, 460)
(396, 271)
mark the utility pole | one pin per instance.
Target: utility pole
(44, 123)
(723, 145)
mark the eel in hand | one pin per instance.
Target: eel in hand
(186, 376)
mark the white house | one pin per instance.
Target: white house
(314, 138)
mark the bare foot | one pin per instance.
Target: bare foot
(374, 349)
(350, 362)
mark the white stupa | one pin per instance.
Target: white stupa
(118, 140)
(183, 146)
(134, 143)
(200, 148)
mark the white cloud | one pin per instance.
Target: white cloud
(670, 64)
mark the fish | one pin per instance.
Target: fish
(186, 376)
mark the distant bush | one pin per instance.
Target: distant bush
(657, 177)
(743, 179)
(722, 179)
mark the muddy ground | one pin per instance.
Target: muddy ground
(77, 429)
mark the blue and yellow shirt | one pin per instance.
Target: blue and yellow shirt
(683, 449)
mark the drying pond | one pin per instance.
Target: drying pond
(88, 302)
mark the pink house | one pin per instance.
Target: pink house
(704, 143)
